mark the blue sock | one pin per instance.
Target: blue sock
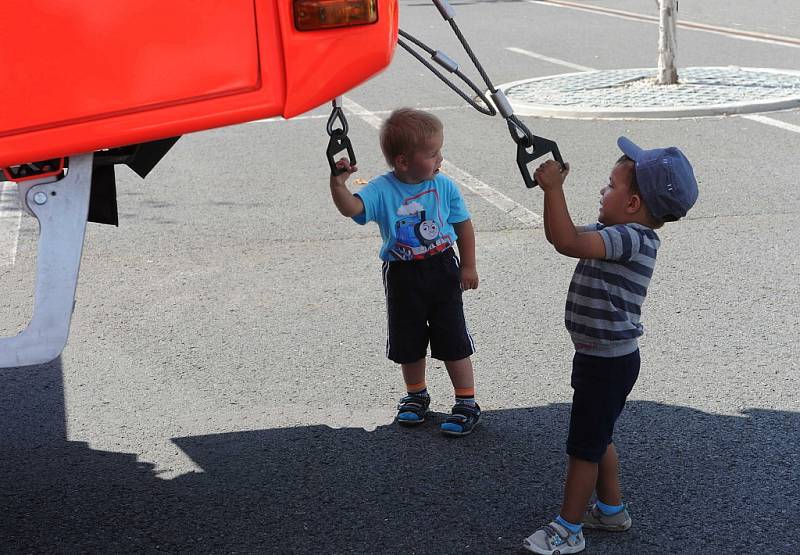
(609, 510)
(573, 528)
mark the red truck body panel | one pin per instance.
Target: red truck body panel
(83, 76)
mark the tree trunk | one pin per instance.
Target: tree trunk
(667, 45)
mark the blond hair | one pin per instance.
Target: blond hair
(405, 131)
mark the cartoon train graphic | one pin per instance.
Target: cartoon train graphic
(418, 237)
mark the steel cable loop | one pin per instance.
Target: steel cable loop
(337, 113)
(529, 146)
(519, 132)
(472, 56)
(488, 110)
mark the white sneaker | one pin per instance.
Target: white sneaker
(554, 539)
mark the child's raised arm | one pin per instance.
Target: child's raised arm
(346, 202)
(559, 227)
(547, 226)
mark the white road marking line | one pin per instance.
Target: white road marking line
(464, 179)
(10, 216)
(549, 59)
(713, 29)
(774, 123)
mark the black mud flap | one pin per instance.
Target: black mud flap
(141, 158)
(103, 197)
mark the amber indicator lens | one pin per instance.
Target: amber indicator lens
(312, 15)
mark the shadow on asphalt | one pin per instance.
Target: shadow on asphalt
(695, 482)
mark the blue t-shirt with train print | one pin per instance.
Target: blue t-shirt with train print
(416, 221)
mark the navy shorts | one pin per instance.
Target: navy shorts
(601, 387)
(423, 305)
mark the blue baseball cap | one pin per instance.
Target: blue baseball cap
(665, 177)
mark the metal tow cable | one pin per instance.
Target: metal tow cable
(529, 146)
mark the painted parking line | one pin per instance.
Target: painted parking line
(10, 216)
(491, 195)
(774, 123)
(752, 36)
(555, 61)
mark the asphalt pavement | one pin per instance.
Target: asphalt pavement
(224, 388)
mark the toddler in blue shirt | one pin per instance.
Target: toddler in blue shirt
(421, 216)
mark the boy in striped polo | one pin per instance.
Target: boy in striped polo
(617, 255)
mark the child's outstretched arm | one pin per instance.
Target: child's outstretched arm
(466, 251)
(559, 228)
(348, 204)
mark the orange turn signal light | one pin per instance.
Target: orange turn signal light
(313, 15)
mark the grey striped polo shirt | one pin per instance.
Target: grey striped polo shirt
(604, 303)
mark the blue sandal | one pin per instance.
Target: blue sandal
(462, 421)
(412, 409)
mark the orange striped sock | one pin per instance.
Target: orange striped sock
(417, 388)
